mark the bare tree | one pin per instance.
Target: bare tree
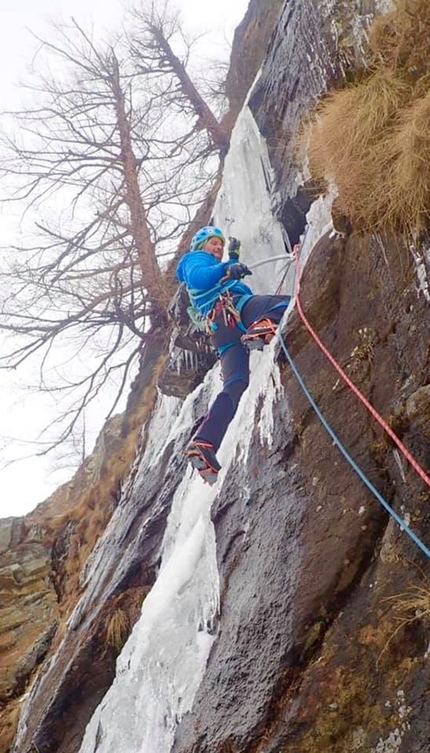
(154, 55)
(110, 166)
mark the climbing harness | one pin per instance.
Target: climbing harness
(208, 298)
(400, 521)
(224, 303)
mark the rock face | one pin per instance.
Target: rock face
(249, 49)
(311, 655)
(314, 45)
(29, 612)
(41, 557)
(322, 638)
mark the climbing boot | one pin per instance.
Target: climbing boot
(202, 457)
(259, 334)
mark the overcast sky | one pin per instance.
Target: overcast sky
(25, 483)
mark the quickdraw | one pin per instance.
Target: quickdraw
(226, 308)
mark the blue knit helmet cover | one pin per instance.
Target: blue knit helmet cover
(204, 234)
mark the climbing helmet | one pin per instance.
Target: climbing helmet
(204, 234)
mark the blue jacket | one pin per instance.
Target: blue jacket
(202, 274)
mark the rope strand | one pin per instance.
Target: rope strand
(402, 523)
(414, 463)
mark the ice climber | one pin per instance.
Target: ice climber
(236, 320)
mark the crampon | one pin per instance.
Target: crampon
(259, 334)
(202, 457)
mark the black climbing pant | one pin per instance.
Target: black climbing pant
(234, 359)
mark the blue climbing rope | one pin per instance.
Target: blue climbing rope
(403, 525)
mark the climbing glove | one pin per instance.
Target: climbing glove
(236, 271)
(233, 249)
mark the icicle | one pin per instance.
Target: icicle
(422, 264)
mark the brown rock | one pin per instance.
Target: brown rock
(418, 409)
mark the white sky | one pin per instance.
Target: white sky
(25, 483)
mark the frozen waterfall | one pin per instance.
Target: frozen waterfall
(164, 659)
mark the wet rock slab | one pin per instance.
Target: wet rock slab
(309, 654)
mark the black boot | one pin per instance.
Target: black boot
(202, 457)
(259, 334)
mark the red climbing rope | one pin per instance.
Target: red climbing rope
(347, 380)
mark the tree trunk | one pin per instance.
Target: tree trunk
(151, 272)
(219, 135)
(201, 218)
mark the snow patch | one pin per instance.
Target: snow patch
(164, 659)
(165, 413)
(421, 259)
(244, 207)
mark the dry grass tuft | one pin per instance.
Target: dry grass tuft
(348, 140)
(412, 605)
(117, 629)
(9, 717)
(408, 166)
(409, 607)
(401, 38)
(371, 139)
